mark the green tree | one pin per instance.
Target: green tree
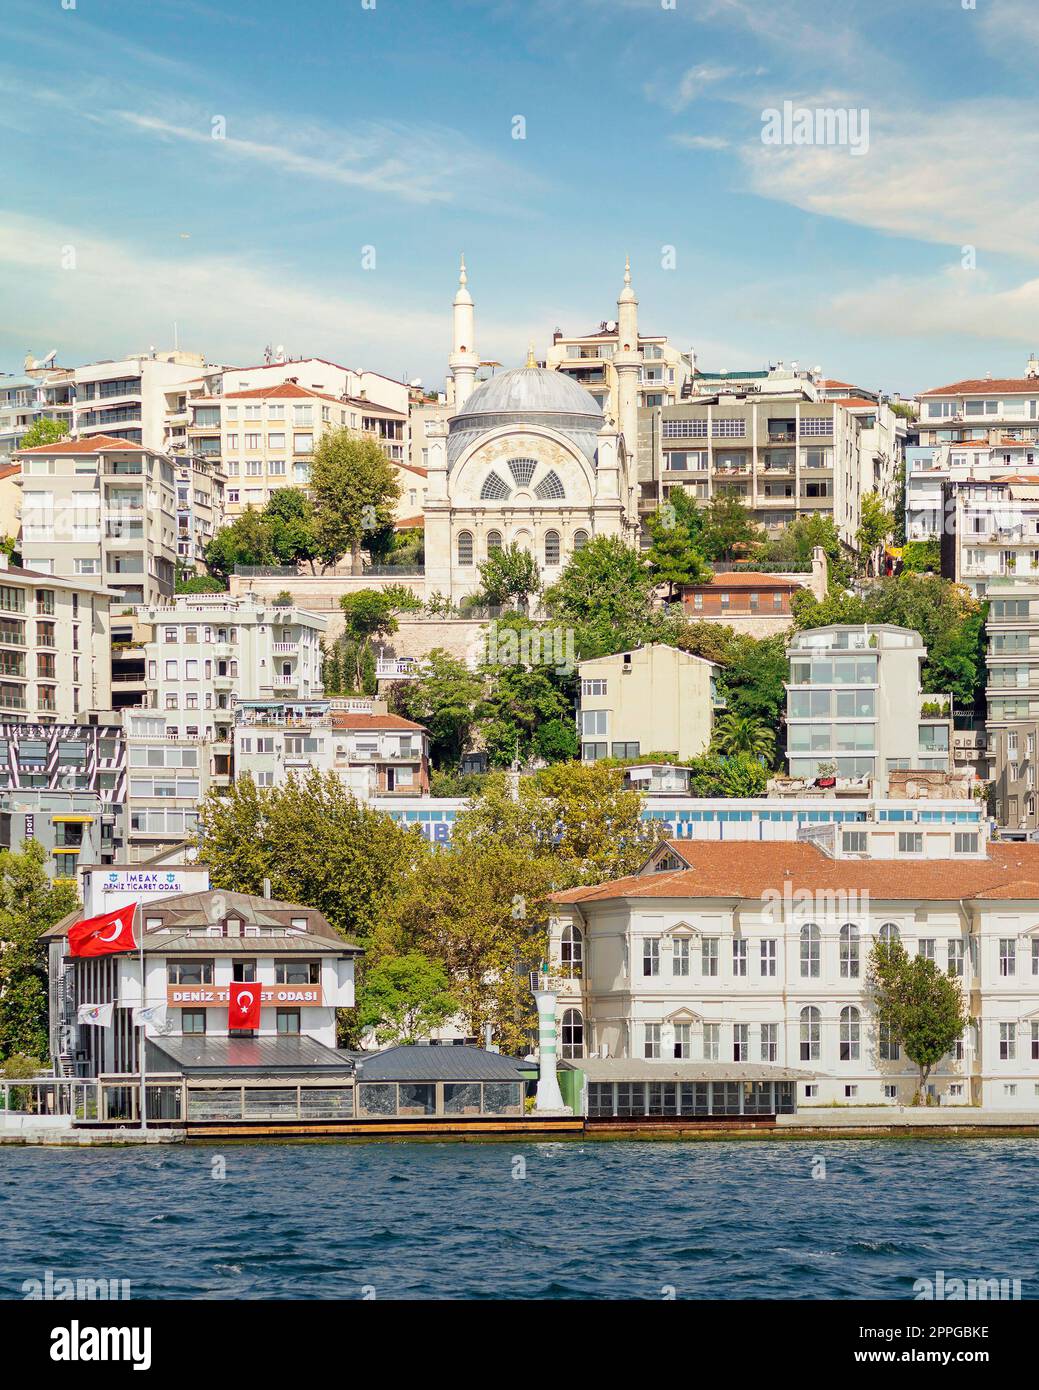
(509, 575)
(368, 613)
(443, 698)
(875, 525)
(738, 733)
(29, 903)
(604, 593)
(199, 584)
(520, 701)
(794, 545)
(317, 844)
(248, 540)
(43, 431)
(922, 557)
(754, 681)
(736, 776)
(402, 999)
(354, 488)
(674, 557)
(729, 529)
(923, 1007)
(290, 515)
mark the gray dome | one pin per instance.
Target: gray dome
(533, 395)
(531, 390)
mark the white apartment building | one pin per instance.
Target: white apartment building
(372, 752)
(754, 964)
(663, 369)
(169, 771)
(204, 652)
(200, 509)
(855, 708)
(650, 699)
(127, 399)
(934, 472)
(993, 409)
(41, 391)
(100, 508)
(55, 662)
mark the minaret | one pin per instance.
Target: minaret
(464, 358)
(626, 362)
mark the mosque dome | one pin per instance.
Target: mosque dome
(531, 395)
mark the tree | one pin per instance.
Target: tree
(248, 540)
(738, 775)
(443, 698)
(315, 842)
(403, 998)
(290, 515)
(520, 702)
(737, 733)
(29, 903)
(729, 530)
(794, 545)
(509, 574)
(754, 681)
(604, 593)
(354, 488)
(922, 557)
(875, 525)
(368, 613)
(675, 558)
(924, 1008)
(43, 431)
(199, 584)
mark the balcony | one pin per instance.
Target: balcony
(401, 669)
(285, 648)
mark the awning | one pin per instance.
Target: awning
(72, 820)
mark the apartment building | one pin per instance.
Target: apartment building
(708, 961)
(54, 646)
(855, 708)
(784, 455)
(100, 507)
(64, 787)
(931, 469)
(982, 408)
(201, 653)
(372, 752)
(127, 399)
(41, 391)
(171, 767)
(650, 699)
(1012, 698)
(990, 529)
(200, 509)
(663, 370)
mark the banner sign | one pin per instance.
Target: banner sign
(219, 996)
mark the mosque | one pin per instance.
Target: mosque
(528, 457)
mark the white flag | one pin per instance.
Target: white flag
(151, 1016)
(100, 1015)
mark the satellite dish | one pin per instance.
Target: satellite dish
(611, 325)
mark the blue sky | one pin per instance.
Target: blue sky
(392, 127)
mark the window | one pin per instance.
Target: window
(855, 842)
(809, 1035)
(593, 687)
(1007, 1042)
(711, 1037)
(494, 541)
(297, 972)
(849, 944)
(890, 1092)
(925, 947)
(889, 934)
(573, 1033)
(288, 1020)
(1007, 956)
(768, 956)
(955, 955)
(651, 1043)
(809, 951)
(571, 952)
(495, 488)
(740, 1042)
(580, 540)
(850, 1031)
(465, 547)
(192, 1020)
(739, 957)
(551, 547)
(651, 955)
(680, 957)
(189, 972)
(550, 488)
(769, 1041)
(910, 842)
(966, 842)
(683, 1047)
(709, 956)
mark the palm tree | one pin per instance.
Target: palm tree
(736, 733)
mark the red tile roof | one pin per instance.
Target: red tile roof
(1009, 385)
(96, 444)
(286, 390)
(409, 523)
(343, 719)
(744, 579)
(727, 869)
(8, 470)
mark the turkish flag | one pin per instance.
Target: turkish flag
(243, 1006)
(104, 935)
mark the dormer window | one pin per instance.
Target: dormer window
(152, 923)
(233, 926)
(299, 924)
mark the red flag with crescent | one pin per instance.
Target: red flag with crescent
(243, 1006)
(104, 935)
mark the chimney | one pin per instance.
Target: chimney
(1032, 369)
(267, 889)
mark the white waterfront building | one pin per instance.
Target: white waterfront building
(757, 956)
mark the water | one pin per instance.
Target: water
(590, 1220)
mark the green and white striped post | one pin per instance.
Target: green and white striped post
(549, 1096)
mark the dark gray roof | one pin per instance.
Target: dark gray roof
(638, 1069)
(424, 1063)
(277, 1056)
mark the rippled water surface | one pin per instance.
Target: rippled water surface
(588, 1220)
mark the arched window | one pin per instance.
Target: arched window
(465, 547)
(573, 1033)
(849, 951)
(849, 1034)
(522, 470)
(551, 547)
(810, 951)
(580, 540)
(809, 1035)
(493, 541)
(889, 934)
(550, 488)
(571, 952)
(495, 488)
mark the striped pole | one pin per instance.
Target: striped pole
(549, 1096)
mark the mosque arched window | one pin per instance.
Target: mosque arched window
(551, 547)
(465, 547)
(495, 488)
(580, 540)
(493, 541)
(550, 488)
(522, 470)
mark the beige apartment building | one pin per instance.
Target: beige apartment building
(55, 662)
(127, 399)
(103, 509)
(650, 699)
(783, 454)
(663, 370)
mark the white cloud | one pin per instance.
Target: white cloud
(700, 142)
(956, 302)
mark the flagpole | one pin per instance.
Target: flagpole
(144, 1028)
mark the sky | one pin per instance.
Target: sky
(306, 175)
